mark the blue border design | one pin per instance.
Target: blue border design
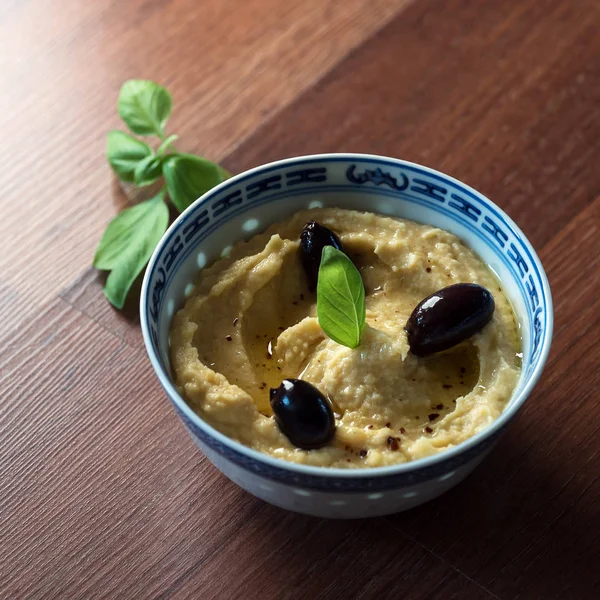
(325, 483)
(172, 247)
(404, 167)
(173, 252)
(348, 189)
(248, 205)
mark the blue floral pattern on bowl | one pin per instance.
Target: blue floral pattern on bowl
(389, 186)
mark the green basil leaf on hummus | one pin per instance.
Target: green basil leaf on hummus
(128, 243)
(340, 298)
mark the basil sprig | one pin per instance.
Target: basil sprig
(340, 298)
(131, 236)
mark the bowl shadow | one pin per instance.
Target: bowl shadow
(485, 528)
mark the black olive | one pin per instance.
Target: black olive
(448, 317)
(303, 414)
(313, 239)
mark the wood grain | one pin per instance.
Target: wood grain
(511, 122)
(543, 481)
(102, 493)
(325, 560)
(481, 122)
(501, 95)
(228, 65)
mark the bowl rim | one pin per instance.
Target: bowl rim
(348, 472)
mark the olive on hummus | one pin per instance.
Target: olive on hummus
(251, 323)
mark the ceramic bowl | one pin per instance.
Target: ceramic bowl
(246, 204)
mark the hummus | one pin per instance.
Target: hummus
(251, 322)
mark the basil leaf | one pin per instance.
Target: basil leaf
(147, 171)
(340, 298)
(128, 243)
(124, 152)
(165, 145)
(145, 107)
(188, 177)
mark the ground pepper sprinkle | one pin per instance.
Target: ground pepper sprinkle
(392, 443)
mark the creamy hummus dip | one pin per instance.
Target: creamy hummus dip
(251, 322)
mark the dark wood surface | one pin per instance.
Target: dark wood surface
(102, 494)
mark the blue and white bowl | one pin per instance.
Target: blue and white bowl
(247, 204)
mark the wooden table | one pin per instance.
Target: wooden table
(102, 493)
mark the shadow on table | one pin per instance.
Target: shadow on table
(533, 532)
(525, 522)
